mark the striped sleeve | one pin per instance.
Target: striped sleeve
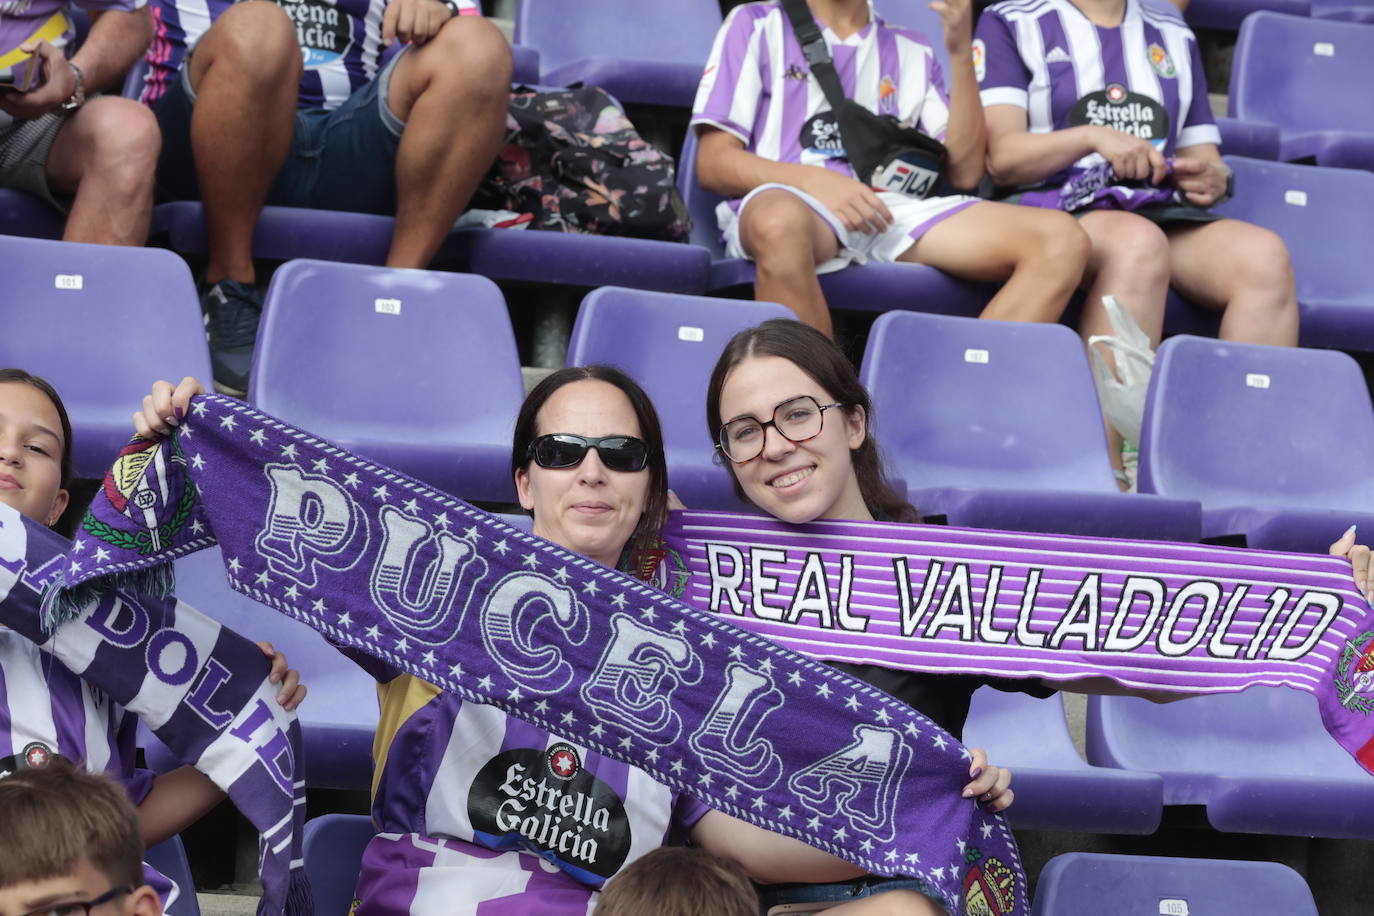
(1003, 77)
(1198, 126)
(731, 85)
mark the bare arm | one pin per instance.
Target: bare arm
(116, 41)
(966, 136)
(178, 799)
(769, 858)
(1016, 156)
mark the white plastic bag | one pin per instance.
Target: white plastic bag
(1122, 392)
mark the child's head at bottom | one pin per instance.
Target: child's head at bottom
(70, 845)
(679, 881)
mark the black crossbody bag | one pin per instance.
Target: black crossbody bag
(884, 155)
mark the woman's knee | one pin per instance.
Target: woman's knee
(1267, 263)
(1127, 243)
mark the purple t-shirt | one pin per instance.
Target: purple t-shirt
(1143, 77)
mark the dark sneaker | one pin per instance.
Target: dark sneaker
(232, 310)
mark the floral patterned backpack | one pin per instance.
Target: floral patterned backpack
(575, 163)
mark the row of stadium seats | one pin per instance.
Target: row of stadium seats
(1006, 432)
(1319, 212)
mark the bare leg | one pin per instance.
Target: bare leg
(106, 154)
(245, 73)
(787, 240)
(890, 903)
(1243, 269)
(452, 94)
(1040, 254)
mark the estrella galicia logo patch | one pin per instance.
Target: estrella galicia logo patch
(547, 802)
(37, 755)
(1161, 61)
(1129, 112)
(324, 31)
(821, 135)
(1354, 679)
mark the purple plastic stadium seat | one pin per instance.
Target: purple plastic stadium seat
(339, 717)
(1078, 883)
(283, 233)
(1227, 15)
(101, 323)
(1298, 73)
(1055, 789)
(869, 287)
(29, 216)
(1348, 10)
(1266, 438)
(524, 64)
(169, 858)
(916, 14)
(333, 847)
(636, 51)
(997, 425)
(412, 368)
(669, 344)
(1259, 760)
(1251, 139)
(1323, 217)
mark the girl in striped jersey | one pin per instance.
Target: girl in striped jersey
(1069, 85)
(769, 142)
(45, 710)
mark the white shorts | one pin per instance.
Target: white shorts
(911, 219)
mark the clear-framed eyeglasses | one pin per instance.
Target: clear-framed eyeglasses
(797, 420)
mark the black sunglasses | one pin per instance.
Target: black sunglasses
(564, 450)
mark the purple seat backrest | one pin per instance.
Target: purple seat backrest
(917, 15)
(563, 32)
(101, 323)
(669, 343)
(169, 858)
(1234, 424)
(1300, 73)
(1020, 729)
(1323, 216)
(333, 847)
(408, 367)
(967, 402)
(1076, 883)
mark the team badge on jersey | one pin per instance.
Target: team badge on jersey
(980, 59)
(1162, 62)
(989, 886)
(324, 31)
(1129, 112)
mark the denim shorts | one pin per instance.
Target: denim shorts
(771, 895)
(341, 159)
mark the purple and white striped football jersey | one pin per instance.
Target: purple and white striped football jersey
(341, 43)
(1143, 77)
(758, 87)
(482, 813)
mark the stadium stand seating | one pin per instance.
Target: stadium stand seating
(169, 858)
(1265, 438)
(919, 16)
(1252, 139)
(1260, 761)
(1076, 883)
(1298, 73)
(416, 369)
(869, 287)
(669, 344)
(1348, 10)
(1320, 214)
(333, 852)
(283, 233)
(1227, 15)
(28, 216)
(997, 425)
(100, 323)
(638, 52)
(1055, 789)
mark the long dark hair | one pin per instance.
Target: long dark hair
(645, 535)
(816, 355)
(19, 375)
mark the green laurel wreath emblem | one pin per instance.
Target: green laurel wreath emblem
(1344, 681)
